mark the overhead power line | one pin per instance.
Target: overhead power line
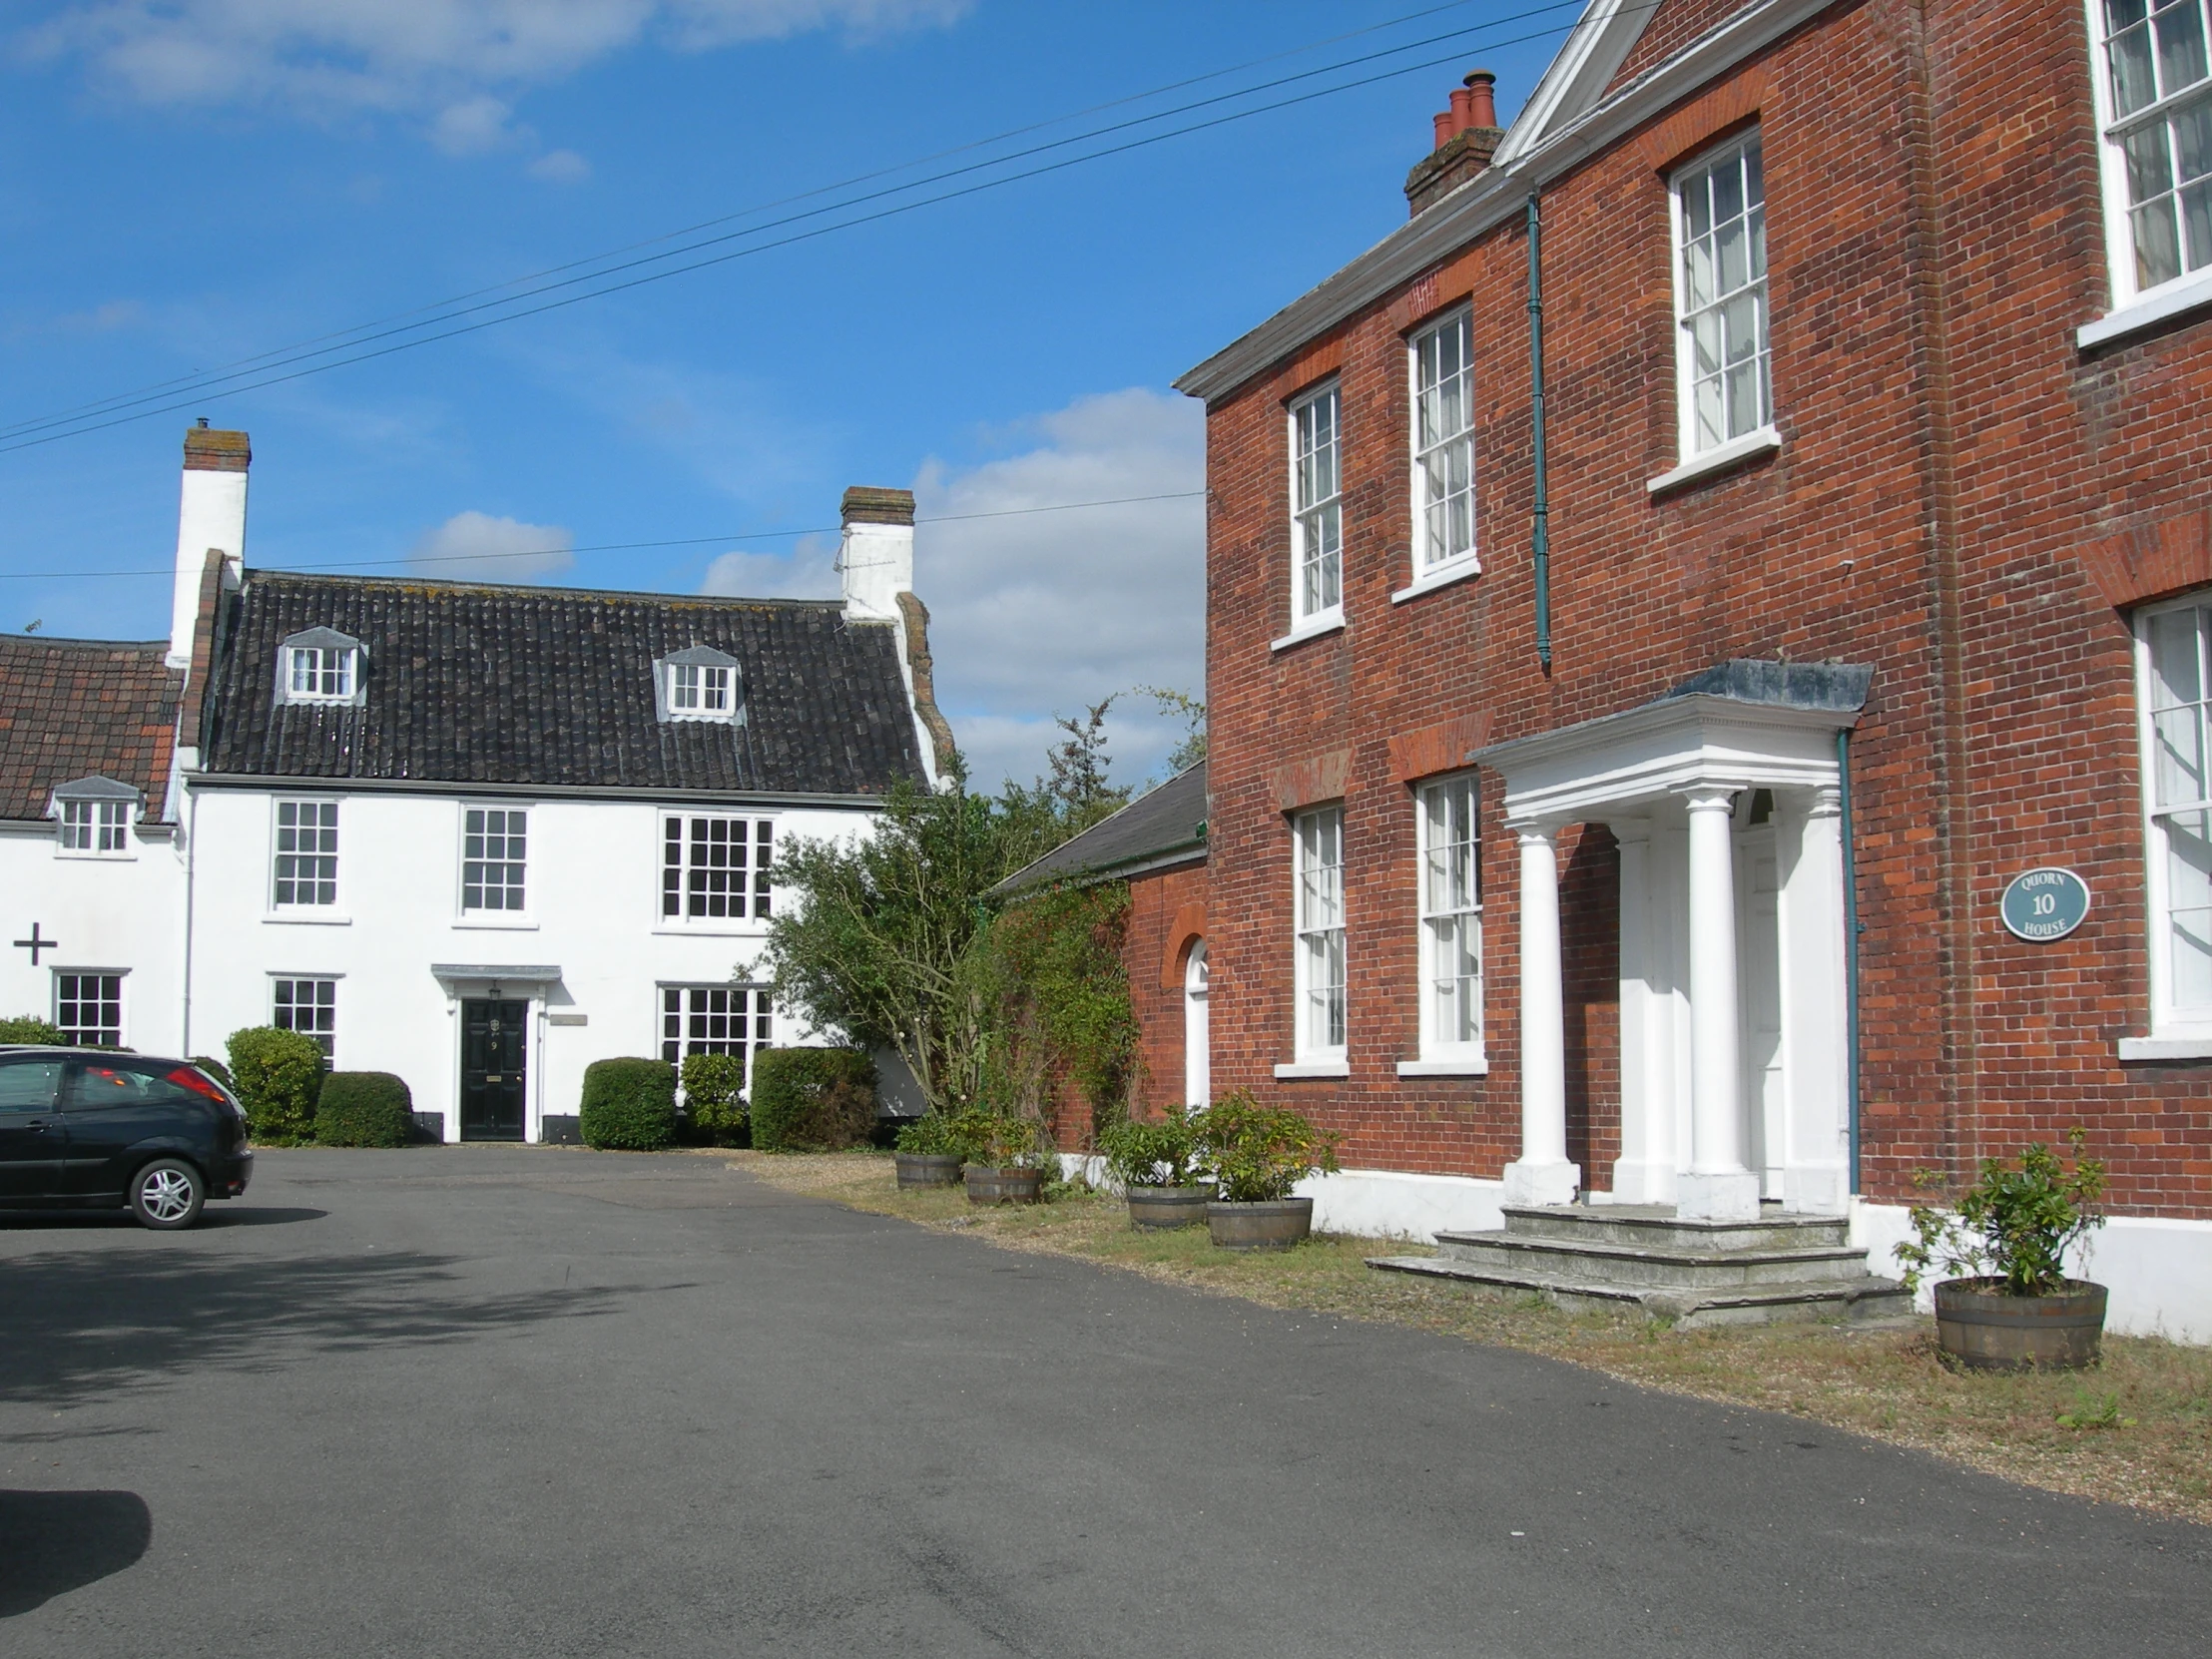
(99, 417)
(432, 561)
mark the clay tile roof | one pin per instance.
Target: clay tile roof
(475, 683)
(72, 709)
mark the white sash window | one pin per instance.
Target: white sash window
(2154, 107)
(1319, 906)
(1317, 512)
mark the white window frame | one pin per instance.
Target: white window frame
(2135, 304)
(2167, 1018)
(95, 829)
(759, 902)
(277, 830)
(1321, 973)
(1431, 564)
(323, 1030)
(700, 690)
(502, 912)
(122, 978)
(332, 675)
(1317, 517)
(1760, 434)
(758, 1014)
(1449, 913)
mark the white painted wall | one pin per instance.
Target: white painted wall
(117, 913)
(211, 515)
(594, 893)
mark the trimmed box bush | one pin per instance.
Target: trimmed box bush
(364, 1108)
(276, 1075)
(629, 1105)
(714, 1098)
(29, 1028)
(812, 1099)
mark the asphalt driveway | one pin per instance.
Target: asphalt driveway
(509, 1401)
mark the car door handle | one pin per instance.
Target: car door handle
(37, 1125)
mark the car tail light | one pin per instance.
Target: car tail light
(191, 1077)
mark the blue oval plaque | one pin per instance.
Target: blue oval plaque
(2045, 904)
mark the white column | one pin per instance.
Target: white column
(1542, 1173)
(1644, 1172)
(1814, 1046)
(1719, 1186)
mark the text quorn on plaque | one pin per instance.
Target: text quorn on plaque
(2045, 904)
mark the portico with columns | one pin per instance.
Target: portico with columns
(1726, 798)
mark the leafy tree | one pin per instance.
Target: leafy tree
(1190, 748)
(1077, 787)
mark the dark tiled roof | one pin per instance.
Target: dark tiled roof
(554, 687)
(1150, 830)
(73, 709)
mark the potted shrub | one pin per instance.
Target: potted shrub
(1006, 1157)
(2014, 1309)
(1156, 1164)
(929, 1152)
(1257, 1155)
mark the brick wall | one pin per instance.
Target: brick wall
(1936, 237)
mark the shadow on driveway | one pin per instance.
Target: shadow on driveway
(95, 1326)
(55, 1542)
(210, 1219)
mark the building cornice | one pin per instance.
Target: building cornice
(436, 789)
(1527, 162)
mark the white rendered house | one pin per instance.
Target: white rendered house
(481, 836)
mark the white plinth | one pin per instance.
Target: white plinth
(1733, 1196)
(1555, 1182)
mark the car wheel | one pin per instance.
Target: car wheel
(166, 1194)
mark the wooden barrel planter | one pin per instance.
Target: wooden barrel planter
(928, 1169)
(1168, 1205)
(1983, 1329)
(1276, 1224)
(1004, 1186)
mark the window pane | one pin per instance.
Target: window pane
(89, 1008)
(2135, 84)
(2180, 29)
(2189, 907)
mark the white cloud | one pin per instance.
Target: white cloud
(809, 571)
(1043, 613)
(561, 167)
(476, 547)
(420, 58)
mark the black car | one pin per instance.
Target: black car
(84, 1127)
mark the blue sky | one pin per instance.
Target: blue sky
(195, 181)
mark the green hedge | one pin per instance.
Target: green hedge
(276, 1075)
(29, 1028)
(629, 1105)
(812, 1099)
(364, 1108)
(714, 1098)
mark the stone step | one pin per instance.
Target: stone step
(1635, 1267)
(1857, 1301)
(1657, 1225)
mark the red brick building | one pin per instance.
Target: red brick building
(1616, 779)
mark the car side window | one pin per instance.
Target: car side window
(109, 1083)
(29, 1085)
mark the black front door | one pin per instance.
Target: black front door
(491, 1069)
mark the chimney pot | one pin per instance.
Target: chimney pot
(1444, 129)
(1481, 99)
(1462, 110)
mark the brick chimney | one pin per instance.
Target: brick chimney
(210, 517)
(877, 555)
(1466, 136)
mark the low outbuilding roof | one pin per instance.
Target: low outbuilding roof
(1161, 827)
(77, 709)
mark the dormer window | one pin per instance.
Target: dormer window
(319, 666)
(699, 683)
(698, 688)
(96, 814)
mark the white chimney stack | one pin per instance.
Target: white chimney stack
(210, 517)
(877, 556)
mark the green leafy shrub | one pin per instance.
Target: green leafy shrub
(215, 1069)
(29, 1028)
(812, 1099)
(629, 1105)
(714, 1098)
(364, 1108)
(1162, 1152)
(276, 1075)
(2012, 1224)
(932, 1135)
(1259, 1153)
(1001, 1140)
